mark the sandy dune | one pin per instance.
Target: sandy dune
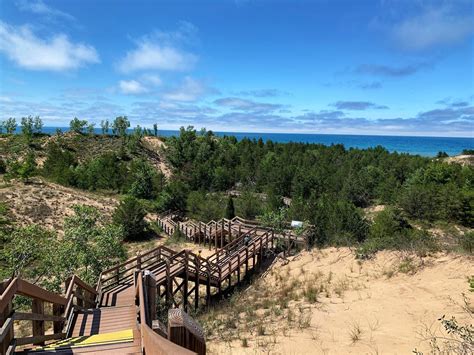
(379, 306)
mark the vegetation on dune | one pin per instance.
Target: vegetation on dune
(86, 248)
(328, 186)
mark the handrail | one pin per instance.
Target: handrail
(151, 342)
(24, 288)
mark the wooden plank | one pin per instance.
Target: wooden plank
(38, 317)
(27, 289)
(39, 339)
(6, 329)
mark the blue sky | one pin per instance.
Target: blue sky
(349, 67)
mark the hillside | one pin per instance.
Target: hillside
(86, 147)
(327, 302)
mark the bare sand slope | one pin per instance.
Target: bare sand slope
(379, 306)
(47, 204)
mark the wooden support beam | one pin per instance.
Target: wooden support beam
(150, 292)
(186, 278)
(8, 333)
(238, 268)
(196, 287)
(246, 261)
(208, 289)
(37, 306)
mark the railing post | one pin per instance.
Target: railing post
(196, 286)
(150, 286)
(222, 233)
(4, 315)
(186, 278)
(169, 285)
(38, 325)
(139, 260)
(57, 311)
(238, 268)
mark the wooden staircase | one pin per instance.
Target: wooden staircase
(118, 315)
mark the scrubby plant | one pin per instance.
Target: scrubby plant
(129, 215)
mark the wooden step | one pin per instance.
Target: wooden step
(104, 320)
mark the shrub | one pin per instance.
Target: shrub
(59, 165)
(77, 125)
(230, 209)
(466, 242)
(391, 230)
(144, 180)
(130, 215)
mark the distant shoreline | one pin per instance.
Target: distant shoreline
(423, 145)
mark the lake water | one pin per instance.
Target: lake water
(426, 146)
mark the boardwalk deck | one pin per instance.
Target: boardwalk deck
(106, 319)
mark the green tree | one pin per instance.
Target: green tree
(59, 165)
(23, 169)
(120, 126)
(90, 129)
(10, 125)
(76, 125)
(28, 252)
(38, 124)
(89, 247)
(104, 125)
(27, 126)
(155, 129)
(129, 215)
(230, 209)
(145, 178)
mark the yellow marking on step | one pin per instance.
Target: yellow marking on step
(91, 340)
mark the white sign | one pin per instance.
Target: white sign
(296, 224)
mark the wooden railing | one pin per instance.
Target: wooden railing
(78, 295)
(151, 342)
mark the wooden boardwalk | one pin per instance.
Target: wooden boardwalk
(117, 316)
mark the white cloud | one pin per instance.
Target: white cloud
(132, 87)
(162, 51)
(40, 8)
(433, 27)
(57, 53)
(190, 90)
(153, 56)
(152, 79)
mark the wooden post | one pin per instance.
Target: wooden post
(230, 272)
(80, 297)
(169, 285)
(37, 306)
(139, 260)
(4, 315)
(186, 278)
(238, 268)
(222, 234)
(58, 311)
(253, 256)
(273, 238)
(230, 231)
(196, 287)
(150, 286)
(208, 289)
(246, 261)
(219, 284)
